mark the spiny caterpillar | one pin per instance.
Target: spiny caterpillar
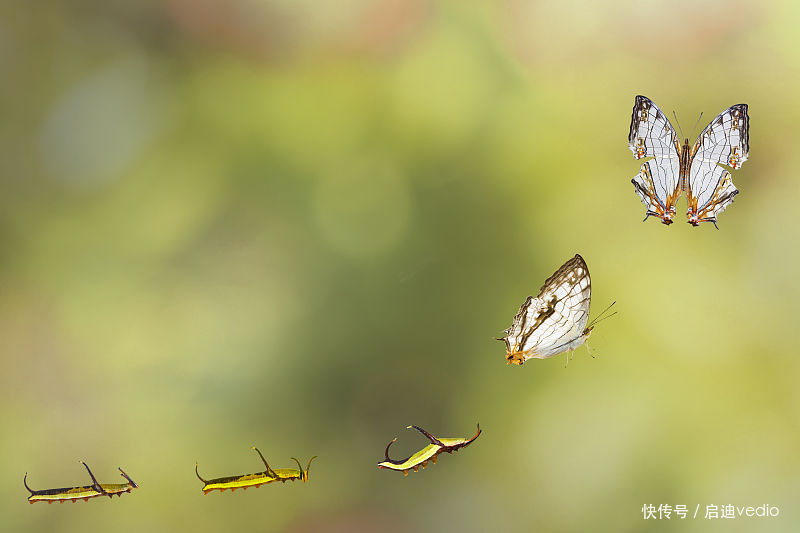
(428, 453)
(85, 492)
(255, 480)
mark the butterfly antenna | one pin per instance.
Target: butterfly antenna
(696, 123)
(599, 318)
(676, 122)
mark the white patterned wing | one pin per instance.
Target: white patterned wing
(711, 190)
(725, 141)
(657, 186)
(658, 181)
(554, 321)
(651, 134)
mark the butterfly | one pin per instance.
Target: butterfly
(694, 170)
(556, 320)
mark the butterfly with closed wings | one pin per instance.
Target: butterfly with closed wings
(556, 320)
(694, 169)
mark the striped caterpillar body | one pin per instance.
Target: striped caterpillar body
(428, 453)
(255, 480)
(85, 492)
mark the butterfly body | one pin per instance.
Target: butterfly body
(693, 170)
(686, 163)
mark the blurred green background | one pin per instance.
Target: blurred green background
(300, 225)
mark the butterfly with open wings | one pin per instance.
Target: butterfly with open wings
(556, 320)
(694, 169)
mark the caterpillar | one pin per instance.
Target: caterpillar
(255, 480)
(428, 453)
(85, 492)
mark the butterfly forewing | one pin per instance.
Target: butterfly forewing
(652, 135)
(554, 321)
(725, 141)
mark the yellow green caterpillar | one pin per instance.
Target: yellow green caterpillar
(244, 481)
(428, 453)
(85, 492)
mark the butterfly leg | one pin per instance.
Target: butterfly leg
(566, 364)
(589, 350)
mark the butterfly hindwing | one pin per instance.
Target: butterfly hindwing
(656, 185)
(554, 321)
